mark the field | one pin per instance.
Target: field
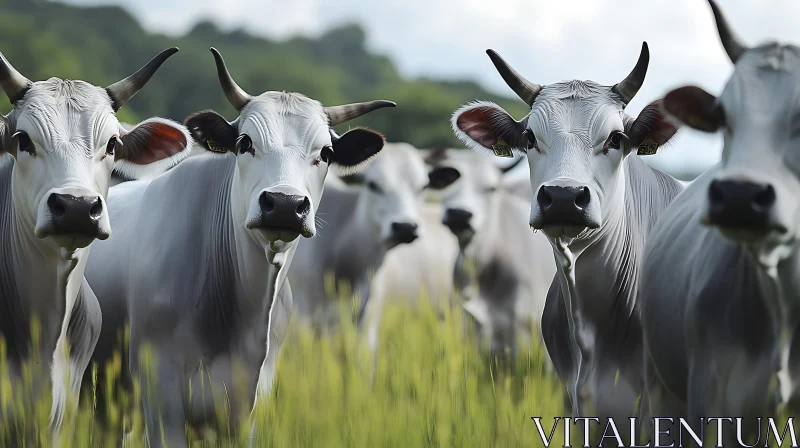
(430, 388)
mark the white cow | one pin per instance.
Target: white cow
(503, 270)
(596, 202)
(58, 148)
(719, 284)
(362, 222)
(209, 305)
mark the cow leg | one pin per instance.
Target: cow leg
(163, 402)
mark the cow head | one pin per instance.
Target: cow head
(473, 197)
(754, 195)
(393, 189)
(284, 146)
(66, 141)
(576, 138)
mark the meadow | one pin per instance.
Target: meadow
(430, 387)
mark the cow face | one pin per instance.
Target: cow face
(753, 196)
(576, 138)
(284, 146)
(66, 141)
(393, 189)
(473, 198)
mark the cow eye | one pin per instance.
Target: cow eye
(113, 143)
(326, 155)
(245, 145)
(614, 141)
(373, 187)
(531, 140)
(25, 143)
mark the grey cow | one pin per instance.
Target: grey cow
(503, 270)
(362, 222)
(199, 258)
(596, 202)
(719, 281)
(58, 148)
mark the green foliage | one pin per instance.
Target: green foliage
(430, 388)
(104, 44)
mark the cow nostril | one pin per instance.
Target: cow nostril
(582, 198)
(96, 210)
(544, 198)
(56, 206)
(266, 202)
(765, 198)
(304, 207)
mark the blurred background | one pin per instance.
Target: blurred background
(427, 55)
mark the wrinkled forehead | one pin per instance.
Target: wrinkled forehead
(67, 109)
(765, 87)
(578, 107)
(398, 164)
(284, 119)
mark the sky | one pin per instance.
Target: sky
(546, 40)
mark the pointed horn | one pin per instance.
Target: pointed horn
(347, 112)
(235, 94)
(733, 45)
(633, 82)
(512, 166)
(122, 91)
(522, 87)
(13, 83)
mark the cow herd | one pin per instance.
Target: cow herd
(653, 296)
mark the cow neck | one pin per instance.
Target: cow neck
(359, 246)
(47, 277)
(482, 247)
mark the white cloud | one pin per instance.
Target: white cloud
(546, 40)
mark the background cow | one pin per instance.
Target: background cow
(596, 202)
(503, 270)
(58, 147)
(208, 305)
(362, 221)
(719, 279)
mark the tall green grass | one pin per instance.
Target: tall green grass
(428, 387)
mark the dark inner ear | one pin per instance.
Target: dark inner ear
(486, 125)
(442, 177)
(651, 124)
(151, 141)
(356, 147)
(212, 131)
(695, 107)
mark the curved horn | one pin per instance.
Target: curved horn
(522, 87)
(122, 91)
(733, 45)
(347, 112)
(235, 94)
(13, 83)
(512, 166)
(633, 82)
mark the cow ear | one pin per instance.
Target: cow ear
(695, 108)
(354, 150)
(478, 309)
(651, 130)
(151, 148)
(211, 131)
(488, 126)
(442, 177)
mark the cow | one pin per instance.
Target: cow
(362, 220)
(58, 148)
(596, 202)
(503, 271)
(207, 300)
(719, 274)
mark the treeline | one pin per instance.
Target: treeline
(101, 45)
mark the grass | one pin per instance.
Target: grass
(430, 388)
